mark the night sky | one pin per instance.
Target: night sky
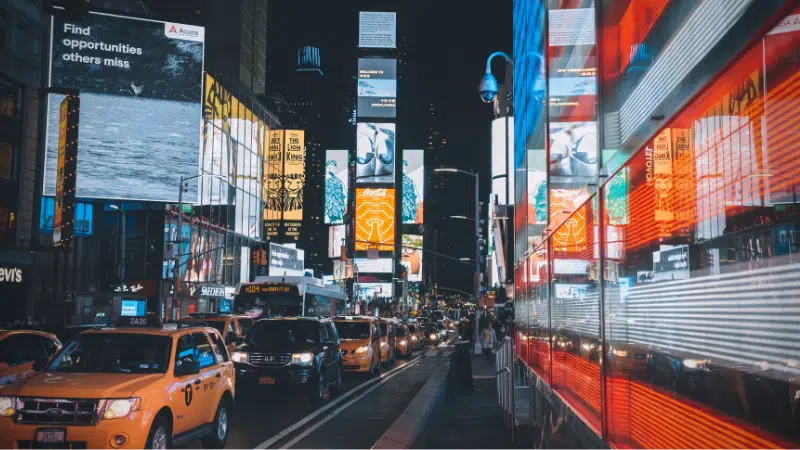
(449, 42)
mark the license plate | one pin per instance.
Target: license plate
(266, 380)
(51, 435)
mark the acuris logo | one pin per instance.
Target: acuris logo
(185, 32)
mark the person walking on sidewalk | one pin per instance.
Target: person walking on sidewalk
(488, 340)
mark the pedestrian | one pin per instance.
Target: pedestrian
(488, 340)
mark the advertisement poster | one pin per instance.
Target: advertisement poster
(413, 186)
(662, 176)
(377, 29)
(377, 87)
(412, 256)
(285, 261)
(294, 174)
(570, 291)
(382, 265)
(337, 184)
(141, 92)
(369, 291)
(573, 149)
(375, 218)
(570, 236)
(336, 238)
(273, 181)
(375, 153)
(671, 263)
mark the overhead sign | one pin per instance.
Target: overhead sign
(286, 261)
(377, 29)
(141, 113)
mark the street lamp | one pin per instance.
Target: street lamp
(477, 212)
(488, 85)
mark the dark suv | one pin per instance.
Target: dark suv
(299, 352)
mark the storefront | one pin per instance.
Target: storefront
(209, 298)
(13, 290)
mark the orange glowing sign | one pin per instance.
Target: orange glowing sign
(375, 218)
(570, 236)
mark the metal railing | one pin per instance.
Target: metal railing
(504, 361)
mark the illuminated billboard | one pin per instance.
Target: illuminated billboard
(412, 256)
(140, 84)
(413, 186)
(294, 177)
(573, 149)
(377, 87)
(273, 176)
(375, 152)
(336, 238)
(337, 183)
(372, 290)
(375, 218)
(381, 265)
(377, 29)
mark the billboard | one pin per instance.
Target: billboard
(375, 218)
(375, 152)
(141, 90)
(285, 261)
(382, 265)
(294, 178)
(337, 183)
(273, 176)
(413, 186)
(412, 256)
(377, 29)
(371, 290)
(573, 149)
(336, 236)
(503, 160)
(377, 87)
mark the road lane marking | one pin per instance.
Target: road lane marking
(336, 412)
(341, 398)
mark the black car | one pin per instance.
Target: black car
(297, 352)
(430, 334)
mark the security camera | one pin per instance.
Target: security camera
(488, 87)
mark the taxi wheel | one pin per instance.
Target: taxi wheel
(336, 389)
(219, 429)
(160, 435)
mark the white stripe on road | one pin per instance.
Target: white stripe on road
(347, 405)
(308, 418)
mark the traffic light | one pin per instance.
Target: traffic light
(260, 257)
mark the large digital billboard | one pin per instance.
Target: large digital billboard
(412, 256)
(573, 149)
(337, 183)
(294, 177)
(375, 152)
(377, 87)
(336, 238)
(381, 265)
(371, 290)
(377, 29)
(413, 186)
(375, 218)
(273, 184)
(141, 89)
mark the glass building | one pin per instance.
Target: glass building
(657, 293)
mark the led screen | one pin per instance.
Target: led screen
(382, 265)
(336, 236)
(413, 185)
(573, 149)
(140, 84)
(377, 88)
(375, 218)
(375, 153)
(372, 290)
(132, 308)
(337, 183)
(412, 256)
(377, 29)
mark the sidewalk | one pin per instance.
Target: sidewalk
(471, 421)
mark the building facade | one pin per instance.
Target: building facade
(656, 222)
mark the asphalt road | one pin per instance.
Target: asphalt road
(356, 418)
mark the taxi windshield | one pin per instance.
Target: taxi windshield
(113, 353)
(279, 335)
(353, 330)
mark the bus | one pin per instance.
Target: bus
(288, 296)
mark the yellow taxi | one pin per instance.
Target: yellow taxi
(404, 345)
(20, 349)
(234, 328)
(359, 340)
(388, 341)
(125, 387)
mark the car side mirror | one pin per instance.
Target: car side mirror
(38, 364)
(187, 368)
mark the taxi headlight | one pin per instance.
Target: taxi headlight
(7, 406)
(361, 350)
(239, 357)
(433, 336)
(120, 407)
(403, 342)
(302, 358)
(413, 338)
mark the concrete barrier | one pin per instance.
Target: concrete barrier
(410, 427)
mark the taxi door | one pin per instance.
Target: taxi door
(185, 400)
(208, 391)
